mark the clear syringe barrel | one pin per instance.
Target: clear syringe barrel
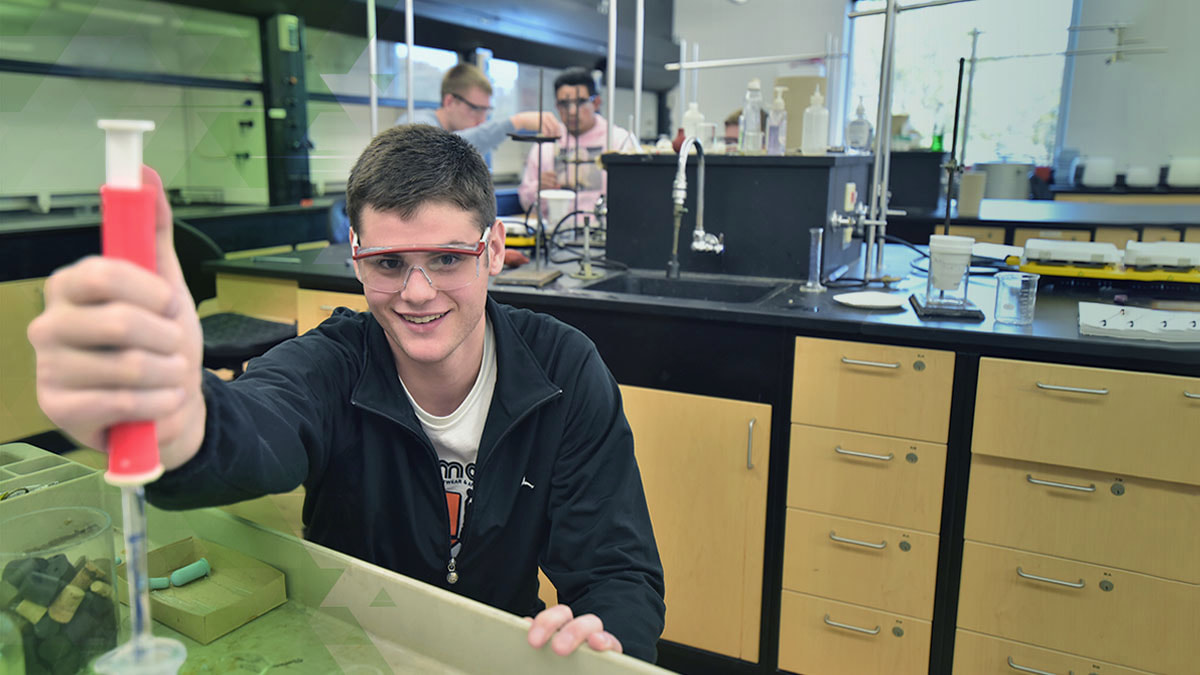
(816, 242)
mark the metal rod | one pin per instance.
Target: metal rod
(408, 61)
(1079, 52)
(1111, 26)
(919, 5)
(952, 166)
(639, 38)
(695, 73)
(975, 33)
(681, 103)
(684, 64)
(611, 74)
(883, 144)
(373, 70)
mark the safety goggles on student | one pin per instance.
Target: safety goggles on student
(568, 103)
(477, 109)
(447, 267)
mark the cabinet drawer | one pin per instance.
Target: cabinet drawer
(261, 297)
(313, 307)
(811, 641)
(1140, 621)
(976, 654)
(859, 562)
(877, 478)
(879, 389)
(1137, 424)
(1130, 523)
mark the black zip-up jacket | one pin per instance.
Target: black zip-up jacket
(327, 410)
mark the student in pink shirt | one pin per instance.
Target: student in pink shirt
(569, 163)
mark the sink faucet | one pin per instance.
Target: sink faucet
(703, 242)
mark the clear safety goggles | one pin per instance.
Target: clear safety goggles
(447, 267)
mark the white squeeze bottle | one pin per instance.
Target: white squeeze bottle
(816, 126)
(777, 125)
(750, 131)
(858, 131)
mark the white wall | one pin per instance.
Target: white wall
(1142, 109)
(726, 30)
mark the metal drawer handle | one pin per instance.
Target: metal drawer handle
(833, 536)
(1189, 394)
(328, 308)
(1024, 669)
(847, 626)
(876, 364)
(1077, 390)
(1065, 486)
(750, 444)
(842, 451)
(1068, 584)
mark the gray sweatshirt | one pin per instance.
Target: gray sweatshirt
(484, 138)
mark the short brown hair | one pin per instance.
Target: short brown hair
(410, 165)
(462, 77)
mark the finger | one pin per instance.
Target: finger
(164, 229)
(605, 641)
(547, 623)
(95, 280)
(95, 409)
(123, 369)
(570, 636)
(112, 325)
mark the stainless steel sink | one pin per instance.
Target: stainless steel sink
(713, 289)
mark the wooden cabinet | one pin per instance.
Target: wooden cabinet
(825, 637)
(977, 654)
(261, 297)
(1126, 521)
(991, 235)
(1128, 618)
(1024, 234)
(1135, 424)
(20, 415)
(880, 389)
(313, 307)
(867, 467)
(865, 476)
(1081, 522)
(704, 464)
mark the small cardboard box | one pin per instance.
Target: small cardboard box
(236, 591)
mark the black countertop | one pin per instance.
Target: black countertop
(1054, 334)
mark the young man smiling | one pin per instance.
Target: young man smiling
(442, 435)
(466, 103)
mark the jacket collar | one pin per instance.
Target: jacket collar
(521, 382)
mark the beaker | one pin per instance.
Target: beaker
(1016, 297)
(949, 269)
(59, 562)
(816, 244)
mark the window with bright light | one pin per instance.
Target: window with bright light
(1018, 73)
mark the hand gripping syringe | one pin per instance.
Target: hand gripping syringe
(127, 232)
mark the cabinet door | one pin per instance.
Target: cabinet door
(879, 389)
(20, 415)
(261, 297)
(1129, 619)
(1128, 423)
(313, 307)
(704, 467)
(976, 654)
(825, 637)
(1127, 522)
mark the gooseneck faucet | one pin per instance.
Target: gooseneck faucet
(702, 241)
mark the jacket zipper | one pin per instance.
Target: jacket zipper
(452, 575)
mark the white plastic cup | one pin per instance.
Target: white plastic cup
(1016, 297)
(970, 193)
(949, 261)
(556, 204)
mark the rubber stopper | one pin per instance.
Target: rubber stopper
(189, 573)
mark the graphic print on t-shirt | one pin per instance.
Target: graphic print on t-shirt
(459, 482)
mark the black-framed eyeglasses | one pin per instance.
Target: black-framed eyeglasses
(567, 103)
(474, 108)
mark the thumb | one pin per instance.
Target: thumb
(164, 231)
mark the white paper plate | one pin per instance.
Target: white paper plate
(871, 300)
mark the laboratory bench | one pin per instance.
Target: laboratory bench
(1014, 221)
(843, 490)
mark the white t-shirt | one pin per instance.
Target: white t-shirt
(455, 438)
